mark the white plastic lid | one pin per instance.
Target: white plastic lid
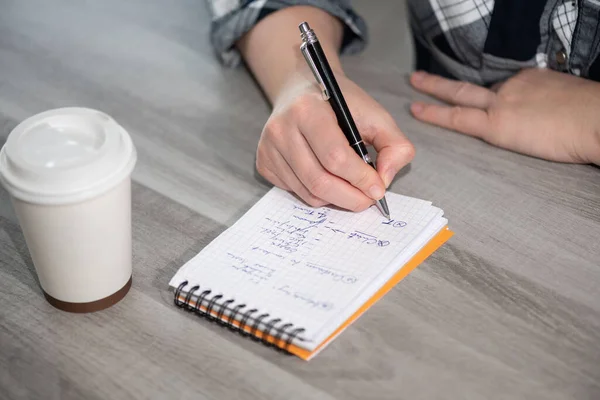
(65, 155)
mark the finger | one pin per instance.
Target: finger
(286, 174)
(271, 165)
(334, 153)
(319, 182)
(470, 121)
(272, 177)
(265, 165)
(453, 92)
(394, 150)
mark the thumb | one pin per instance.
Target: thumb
(394, 150)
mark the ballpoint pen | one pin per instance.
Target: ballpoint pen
(315, 57)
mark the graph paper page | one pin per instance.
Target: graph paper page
(307, 265)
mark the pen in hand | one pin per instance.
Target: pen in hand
(315, 57)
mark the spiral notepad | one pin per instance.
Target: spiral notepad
(294, 277)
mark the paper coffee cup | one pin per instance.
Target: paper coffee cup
(68, 172)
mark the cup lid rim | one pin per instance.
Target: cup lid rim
(112, 160)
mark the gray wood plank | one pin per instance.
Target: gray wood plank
(144, 347)
(509, 308)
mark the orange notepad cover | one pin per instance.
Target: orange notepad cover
(436, 242)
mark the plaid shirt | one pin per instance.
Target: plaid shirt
(472, 40)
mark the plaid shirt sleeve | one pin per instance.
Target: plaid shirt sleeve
(486, 41)
(231, 19)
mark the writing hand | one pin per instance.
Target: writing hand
(542, 113)
(302, 148)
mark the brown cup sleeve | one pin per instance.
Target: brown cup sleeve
(92, 306)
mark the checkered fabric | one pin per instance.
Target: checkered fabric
(482, 41)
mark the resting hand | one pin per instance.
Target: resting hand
(541, 113)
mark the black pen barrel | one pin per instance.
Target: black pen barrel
(336, 100)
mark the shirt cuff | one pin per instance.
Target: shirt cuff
(230, 22)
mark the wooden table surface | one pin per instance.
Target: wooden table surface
(508, 308)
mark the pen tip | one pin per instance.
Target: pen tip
(383, 208)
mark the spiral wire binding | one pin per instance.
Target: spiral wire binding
(246, 321)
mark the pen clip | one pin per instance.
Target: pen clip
(313, 67)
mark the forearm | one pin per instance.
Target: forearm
(272, 48)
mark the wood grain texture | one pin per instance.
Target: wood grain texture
(508, 308)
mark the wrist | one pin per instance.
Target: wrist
(587, 144)
(595, 156)
(272, 48)
(593, 143)
(302, 81)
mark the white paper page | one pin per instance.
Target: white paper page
(305, 265)
(433, 228)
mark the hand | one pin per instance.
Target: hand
(542, 113)
(303, 150)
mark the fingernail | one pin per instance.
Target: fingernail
(376, 192)
(416, 108)
(388, 176)
(418, 76)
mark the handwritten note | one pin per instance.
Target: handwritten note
(309, 265)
